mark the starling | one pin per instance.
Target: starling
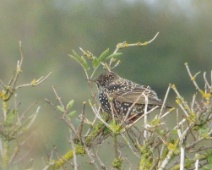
(124, 98)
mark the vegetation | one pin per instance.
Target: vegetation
(150, 143)
(36, 135)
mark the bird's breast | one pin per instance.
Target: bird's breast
(103, 98)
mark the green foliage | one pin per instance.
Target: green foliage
(156, 143)
(145, 159)
(105, 58)
(108, 60)
(117, 163)
(48, 29)
(158, 139)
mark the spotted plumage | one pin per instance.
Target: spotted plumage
(124, 98)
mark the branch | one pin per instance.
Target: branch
(79, 150)
(138, 44)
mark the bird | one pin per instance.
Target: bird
(124, 98)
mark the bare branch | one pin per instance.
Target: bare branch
(34, 82)
(138, 44)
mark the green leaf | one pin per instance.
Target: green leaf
(81, 60)
(114, 55)
(70, 104)
(95, 63)
(60, 108)
(84, 63)
(75, 58)
(72, 113)
(103, 55)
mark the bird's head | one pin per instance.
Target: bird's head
(105, 79)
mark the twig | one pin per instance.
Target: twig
(80, 127)
(180, 101)
(18, 70)
(182, 157)
(90, 155)
(58, 98)
(154, 108)
(145, 119)
(166, 113)
(208, 86)
(33, 117)
(193, 102)
(103, 166)
(70, 125)
(164, 101)
(138, 44)
(192, 77)
(74, 152)
(22, 116)
(166, 160)
(96, 112)
(50, 159)
(197, 164)
(129, 145)
(34, 82)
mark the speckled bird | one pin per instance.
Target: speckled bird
(123, 97)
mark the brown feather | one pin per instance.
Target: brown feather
(136, 97)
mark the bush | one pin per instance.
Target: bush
(152, 144)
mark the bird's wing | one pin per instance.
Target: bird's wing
(137, 95)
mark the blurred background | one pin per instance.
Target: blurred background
(50, 30)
